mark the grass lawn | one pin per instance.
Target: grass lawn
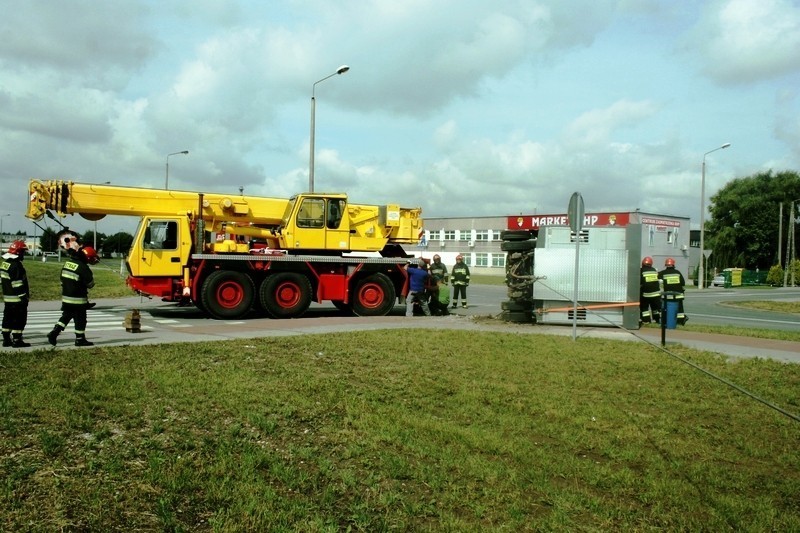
(400, 430)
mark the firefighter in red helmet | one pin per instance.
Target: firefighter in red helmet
(15, 295)
(673, 281)
(76, 280)
(649, 293)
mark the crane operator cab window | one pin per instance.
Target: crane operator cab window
(335, 209)
(311, 213)
(161, 235)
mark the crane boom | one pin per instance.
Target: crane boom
(94, 201)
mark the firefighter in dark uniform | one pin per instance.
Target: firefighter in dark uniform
(649, 293)
(15, 295)
(438, 272)
(460, 278)
(76, 280)
(673, 282)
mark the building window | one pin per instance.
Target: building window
(499, 260)
(465, 235)
(449, 235)
(481, 260)
(482, 235)
(434, 235)
(496, 234)
(468, 259)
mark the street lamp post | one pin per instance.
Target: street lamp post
(166, 180)
(340, 70)
(701, 271)
(2, 233)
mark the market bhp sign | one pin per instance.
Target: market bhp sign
(589, 219)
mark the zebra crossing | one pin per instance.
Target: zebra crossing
(98, 320)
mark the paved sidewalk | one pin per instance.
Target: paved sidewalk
(166, 322)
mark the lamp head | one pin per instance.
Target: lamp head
(342, 69)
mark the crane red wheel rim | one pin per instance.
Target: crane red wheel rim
(287, 294)
(230, 294)
(371, 295)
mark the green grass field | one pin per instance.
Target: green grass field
(401, 430)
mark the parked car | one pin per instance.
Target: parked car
(718, 281)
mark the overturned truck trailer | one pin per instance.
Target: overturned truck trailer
(541, 276)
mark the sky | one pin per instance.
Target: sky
(461, 107)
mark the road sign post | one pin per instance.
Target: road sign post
(575, 212)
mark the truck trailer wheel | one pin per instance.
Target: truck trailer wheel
(517, 246)
(227, 294)
(285, 294)
(515, 235)
(374, 296)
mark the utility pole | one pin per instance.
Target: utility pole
(789, 249)
(780, 231)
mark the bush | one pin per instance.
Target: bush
(776, 273)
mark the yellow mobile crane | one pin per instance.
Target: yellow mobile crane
(229, 253)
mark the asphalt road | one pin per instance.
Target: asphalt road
(716, 307)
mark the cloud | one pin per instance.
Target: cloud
(743, 41)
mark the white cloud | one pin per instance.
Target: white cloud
(749, 40)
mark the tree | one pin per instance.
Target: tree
(88, 238)
(48, 242)
(744, 223)
(117, 243)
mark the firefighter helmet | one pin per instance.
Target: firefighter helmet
(436, 257)
(459, 257)
(647, 261)
(670, 262)
(90, 254)
(17, 248)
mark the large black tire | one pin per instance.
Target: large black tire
(285, 294)
(373, 296)
(517, 246)
(227, 294)
(518, 317)
(515, 235)
(343, 307)
(516, 305)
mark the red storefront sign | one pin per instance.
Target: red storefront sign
(590, 219)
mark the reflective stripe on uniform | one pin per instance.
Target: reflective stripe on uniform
(74, 300)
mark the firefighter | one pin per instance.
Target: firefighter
(438, 272)
(673, 282)
(76, 280)
(649, 293)
(15, 295)
(438, 269)
(460, 277)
